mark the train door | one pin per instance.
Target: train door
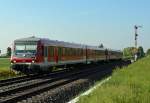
(49, 54)
(40, 53)
(56, 54)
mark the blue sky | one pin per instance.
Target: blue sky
(91, 22)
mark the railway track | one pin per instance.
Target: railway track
(27, 90)
(27, 78)
(33, 86)
(15, 80)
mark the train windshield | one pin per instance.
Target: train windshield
(24, 48)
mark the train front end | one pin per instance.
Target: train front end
(24, 55)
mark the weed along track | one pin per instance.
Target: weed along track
(65, 82)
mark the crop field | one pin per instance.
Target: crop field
(128, 85)
(5, 69)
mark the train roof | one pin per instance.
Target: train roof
(35, 39)
(46, 41)
(68, 44)
(114, 50)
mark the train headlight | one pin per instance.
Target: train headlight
(33, 61)
(14, 61)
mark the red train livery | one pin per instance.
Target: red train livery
(35, 55)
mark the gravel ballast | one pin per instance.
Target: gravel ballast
(67, 92)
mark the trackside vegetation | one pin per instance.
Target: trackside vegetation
(128, 85)
(5, 69)
(6, 72)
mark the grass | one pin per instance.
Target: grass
(4, 64)
(128, 85)
(5, 69)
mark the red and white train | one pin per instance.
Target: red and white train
(35, 55)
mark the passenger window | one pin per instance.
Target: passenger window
(63, 52)
(51, 51)
(60, 51)
(74, 52)
(45, 51)
(70, 51)
(66, 52)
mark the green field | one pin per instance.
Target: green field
(6, 72)
(128, 85)
(4, 64)
(5, 69)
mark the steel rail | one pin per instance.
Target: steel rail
(20, 93)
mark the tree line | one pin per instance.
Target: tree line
(129, 52)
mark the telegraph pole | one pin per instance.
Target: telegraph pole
(136, 35)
